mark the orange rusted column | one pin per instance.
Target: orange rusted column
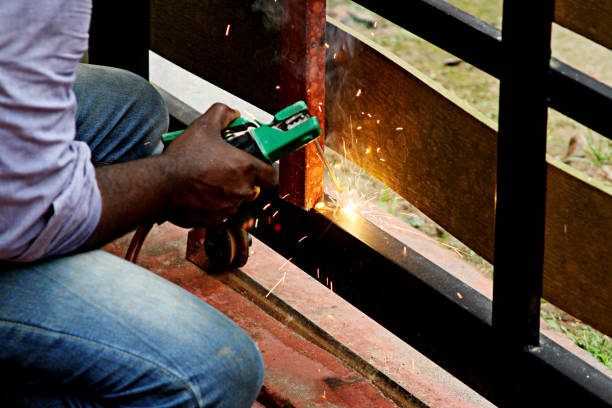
(302, 65)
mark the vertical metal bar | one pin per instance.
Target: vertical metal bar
(119, 35)
(302, 65)
(521, 172)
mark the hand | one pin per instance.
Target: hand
(211, 178)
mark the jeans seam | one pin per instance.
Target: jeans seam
(114, 348)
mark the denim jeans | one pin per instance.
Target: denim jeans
(93, 330)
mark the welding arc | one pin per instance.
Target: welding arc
(136, 243)
(331, 172)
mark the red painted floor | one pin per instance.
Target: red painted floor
(298, 373)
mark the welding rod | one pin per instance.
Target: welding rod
(331, 172)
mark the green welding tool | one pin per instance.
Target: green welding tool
(290, 129)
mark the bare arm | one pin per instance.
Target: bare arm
(199, 181)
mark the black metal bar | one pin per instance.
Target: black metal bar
(448, 27)
(119, 35)
(521, 172)
(581, 97)
(431, 310)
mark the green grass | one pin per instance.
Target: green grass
(591, 340)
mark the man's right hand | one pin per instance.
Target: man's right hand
(211, 178)
(198, 182)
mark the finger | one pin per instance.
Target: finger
(266, 175)
(220, 115)
(254, 194)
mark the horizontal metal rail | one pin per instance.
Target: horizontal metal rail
(436, 313)
(571, 92)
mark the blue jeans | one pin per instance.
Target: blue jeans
(93, 330)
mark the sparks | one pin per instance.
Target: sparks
(265, 207)
(277, 87)
(303, 238)
(317, 273)
(319, 206)
(275, 212)
(358, 93)
(459, 295)
(399, 128)
(404, 251)
(368, 150)
(286, 195)
(359, 127)
(331, 286)
(277, 283)
(227, 30)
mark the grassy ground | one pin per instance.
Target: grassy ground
(567, 140)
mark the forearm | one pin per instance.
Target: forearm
(133, 193)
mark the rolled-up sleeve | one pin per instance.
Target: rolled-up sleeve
(49, 199)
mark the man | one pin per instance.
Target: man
(78, 326)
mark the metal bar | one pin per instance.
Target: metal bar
(119, 36)
(580, 97)
(302, 65)
(521, 172)
(425, 306)
(448, 27)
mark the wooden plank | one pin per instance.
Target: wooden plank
(440, 154)
(233, 44)
(401, 128)
(302, 71)
(589, 18)
(577, 255)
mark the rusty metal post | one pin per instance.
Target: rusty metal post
(302, 77)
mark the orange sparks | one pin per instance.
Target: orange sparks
(399, 128)
(358, 94)
(317, 273)
(147, 143)
(335, 54)
(265, 207)
(459, 295)
(286, 195)
(368, 150)
(319, 206)
(331, 286)
(227, 30)
(326, 45)
(277, 87)
(275, 212)
(404, 251)
(303, 238)
(359, 127)
(378, 150)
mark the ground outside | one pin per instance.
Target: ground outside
(319, 351)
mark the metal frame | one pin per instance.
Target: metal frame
(494, 347)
